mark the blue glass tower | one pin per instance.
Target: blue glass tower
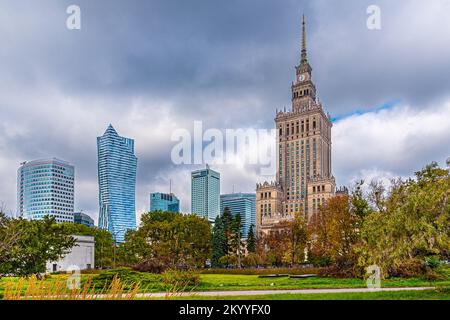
(83, 218)
(205, 193)
(164, 202)
(117, 166)
(46, 188)
(243, 204)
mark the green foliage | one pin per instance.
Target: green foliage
(359, 205)
(433, 262)
(229, 260)
(251, 260)
(173, 239)
(227, 220)
(36, 242)
(414, 225)
(219, 244)
(148, 281)
(180, 279)
(235, 242)
(251, 241)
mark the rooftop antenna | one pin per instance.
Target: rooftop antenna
(170, 186)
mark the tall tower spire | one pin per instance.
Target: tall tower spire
(304, 58)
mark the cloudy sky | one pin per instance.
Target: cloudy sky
(151, 67)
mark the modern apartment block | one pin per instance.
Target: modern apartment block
(46, 188)
(164, 202)
(117, 166)
(243, 204)
(205, 193)
(303, 178)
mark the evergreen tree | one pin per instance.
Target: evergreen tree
(227, 220)
(251, 241)
(218, 242)
(236, 238)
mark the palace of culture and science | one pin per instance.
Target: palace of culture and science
(303, 178)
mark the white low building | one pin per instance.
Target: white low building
(81, 256)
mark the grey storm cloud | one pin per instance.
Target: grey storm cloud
(150, 67)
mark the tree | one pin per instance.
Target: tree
(235, 242)
(414, 226)
(171, 239)
(227, 220)
(39, 241)
(218, 242)
(9, 236)
(251, 241)
(299, 237)
(359, 205)
(335, 233)
(273, 247)
(251, 260)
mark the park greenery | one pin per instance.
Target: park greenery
(403, 227)
(167, 240)
(26, 246)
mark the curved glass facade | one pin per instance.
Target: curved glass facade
(46, 187)
(117, 166)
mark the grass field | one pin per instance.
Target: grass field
(226, 282)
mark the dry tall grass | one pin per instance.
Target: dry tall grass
(34, 289)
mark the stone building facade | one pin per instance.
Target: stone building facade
(304, 179)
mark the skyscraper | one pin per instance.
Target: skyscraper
(303, 179)
(117, 166)
(164, 202)
(46, 188)
(243, 204)
(205, 193)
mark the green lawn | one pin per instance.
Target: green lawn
(212, 282)
(226, 282)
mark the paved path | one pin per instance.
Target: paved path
(266, 292)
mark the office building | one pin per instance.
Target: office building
(117, 166)
(205, 193)
(46, 188)
(164, 202)
(83, 218)
(243, 204)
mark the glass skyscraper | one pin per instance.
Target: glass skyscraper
(205, 193)
(243, 204)
(46, 188)
(164, 202)
(83, 218)
(117, 166)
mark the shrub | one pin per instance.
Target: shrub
(128, 278)
(180, 279)
(251, 260)
(152, 265)
(410, 268)
(262, 271)
(433, 262)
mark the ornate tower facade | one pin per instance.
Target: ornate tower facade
(303, 179)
